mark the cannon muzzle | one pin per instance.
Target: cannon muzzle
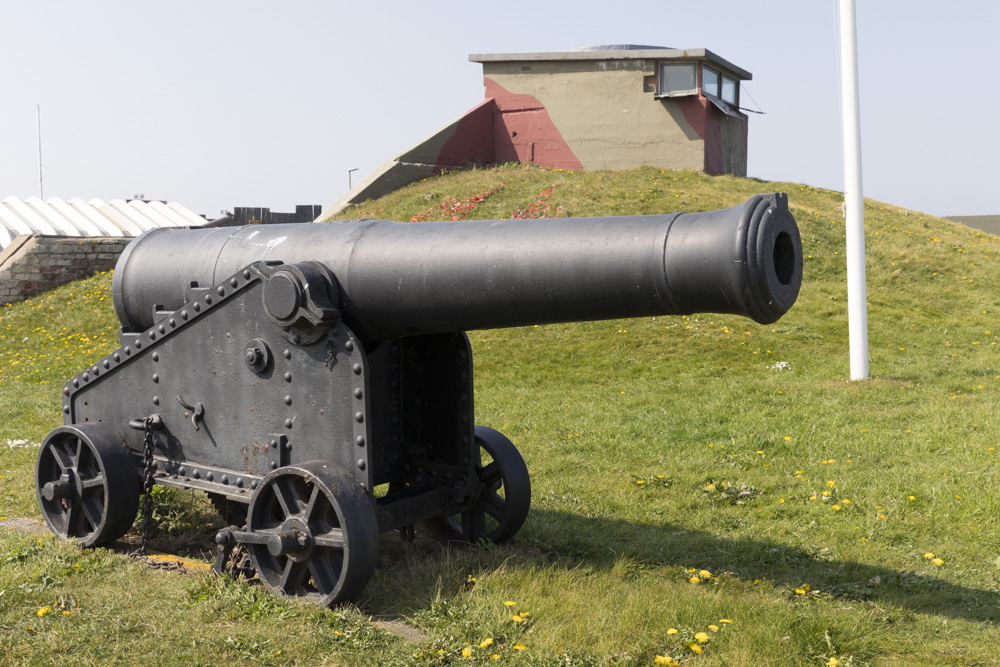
(395, 279)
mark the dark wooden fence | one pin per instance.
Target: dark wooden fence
(249, 215)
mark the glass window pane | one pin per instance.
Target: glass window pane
(729, 90)
(677, 78)
(709, 81)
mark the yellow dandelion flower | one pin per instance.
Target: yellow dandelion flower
(832, 662)
(519, 646)
(467, 652)
(695, 580)
(713, 628)
(694, 647)
(517, 618)
(781, 500)
(42, 611)
(846, 501)
(788, 438)
(710, 487)
(801, 590)
(702, 637)
(509, 603)
(672, 631)
(913, 497)
(928, 555)
(705, 574)
(831, 483)
(665, 660)
(486, 642)
(725, 620)
(836, 508)
(937, 561)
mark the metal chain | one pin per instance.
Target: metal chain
(147, 485)
(147, 424)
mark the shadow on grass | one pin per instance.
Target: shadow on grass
(562, 539)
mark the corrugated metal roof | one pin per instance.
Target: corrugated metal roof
(89, 218)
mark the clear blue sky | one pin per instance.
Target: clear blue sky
(223, 104)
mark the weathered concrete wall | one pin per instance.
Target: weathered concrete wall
(31, 265)
(602, 114)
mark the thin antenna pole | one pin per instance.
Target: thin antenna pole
(857, 299)
(38, 117)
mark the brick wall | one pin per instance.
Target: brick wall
(30, 265)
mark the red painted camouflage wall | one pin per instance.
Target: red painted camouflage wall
(509, 127)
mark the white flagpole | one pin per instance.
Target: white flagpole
(857, 299)
(38, 117)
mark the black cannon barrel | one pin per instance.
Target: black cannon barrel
(397, 279)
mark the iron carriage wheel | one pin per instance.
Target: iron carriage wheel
(312, 533)
(87, 484)
(500, 505)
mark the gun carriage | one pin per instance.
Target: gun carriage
(290, 370)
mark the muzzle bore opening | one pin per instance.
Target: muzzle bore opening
(783, 258)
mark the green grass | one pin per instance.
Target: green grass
(657, 446)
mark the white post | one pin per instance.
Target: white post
(857, 299)
(38, 117)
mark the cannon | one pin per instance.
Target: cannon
(317, 382)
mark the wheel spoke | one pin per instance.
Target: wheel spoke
(98, 480)
(63, 458)
(324, 579)
(292, 576)
(75, 520)
(286, 496)
(332, 540)
(495, 506)
(311, 504)
(473, 525)
(92, 509)
(60, 519)
(491, 475)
